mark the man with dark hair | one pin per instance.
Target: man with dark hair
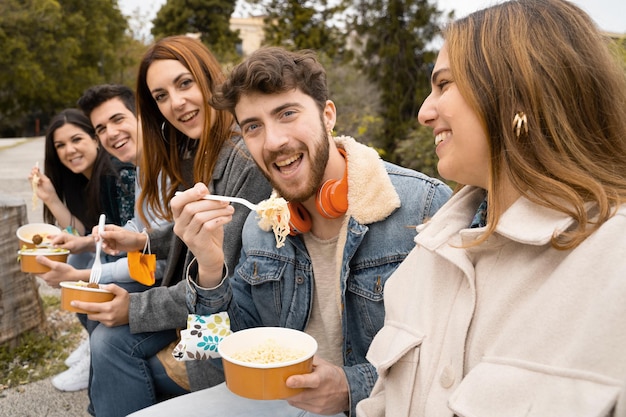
(353, 213)
(111, 109)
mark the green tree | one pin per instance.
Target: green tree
(620, 50)
(98, 29)
(417, 152)
(208, 18)
(393, 48)
(21, 75)
(52, 51)
(301, 24)
(357, 100)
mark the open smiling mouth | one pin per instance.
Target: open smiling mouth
(120, 144)
(442, 136)
(287, 165)
(187, 117)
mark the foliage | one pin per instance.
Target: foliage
(52, 51)
(357, 100)
(302, 24)
(140, 25)
(40, 353)
(208, 18)
(393, 44)
(619, 47)
(417, 151)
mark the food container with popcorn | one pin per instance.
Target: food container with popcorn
(258, 361)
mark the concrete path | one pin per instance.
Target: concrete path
(17, 157)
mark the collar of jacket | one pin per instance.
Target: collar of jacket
(371, 195)
(524, 222)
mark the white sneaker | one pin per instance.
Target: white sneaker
(74, 379)
(80, 352)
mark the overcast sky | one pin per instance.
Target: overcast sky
(610, 15)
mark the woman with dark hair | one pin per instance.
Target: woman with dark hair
(73, 157)
(81, 181)
(185, 141)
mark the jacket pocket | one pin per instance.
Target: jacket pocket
(396, 347)
(368, 283)
(395, 353)
(500, 387)
(258, 270)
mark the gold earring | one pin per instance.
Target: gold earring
(520, 122)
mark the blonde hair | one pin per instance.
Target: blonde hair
(546, 58)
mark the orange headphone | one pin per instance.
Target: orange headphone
(331, 202)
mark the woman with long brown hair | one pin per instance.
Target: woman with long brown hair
(184, 141)
(513, 300)
(80, 181)
(185, 125)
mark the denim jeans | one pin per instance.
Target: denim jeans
(125, 375)
(218, 401)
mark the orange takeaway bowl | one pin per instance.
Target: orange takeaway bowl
(25, 233)
(258, 361)
(28, 261)
(79, 291)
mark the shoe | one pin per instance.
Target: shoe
(80, 352)
(74, 379)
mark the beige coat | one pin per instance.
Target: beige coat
(510, 328)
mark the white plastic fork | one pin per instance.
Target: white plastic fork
(96, 268)
(239, 200)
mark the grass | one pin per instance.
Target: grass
(39, 353)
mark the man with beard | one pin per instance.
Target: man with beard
(353, 212)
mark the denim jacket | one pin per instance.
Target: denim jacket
(274, 286)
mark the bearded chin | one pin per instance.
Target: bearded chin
(319, 159)
(297, 196)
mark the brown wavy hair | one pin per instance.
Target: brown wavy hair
(273, 70)
(546, 58)
(164, 151)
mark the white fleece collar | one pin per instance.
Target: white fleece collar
(371, 195)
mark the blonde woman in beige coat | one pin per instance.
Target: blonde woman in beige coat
(513, 301)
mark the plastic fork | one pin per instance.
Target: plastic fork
(239, 200)
(96, 268)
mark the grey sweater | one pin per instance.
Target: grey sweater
(164, 307)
